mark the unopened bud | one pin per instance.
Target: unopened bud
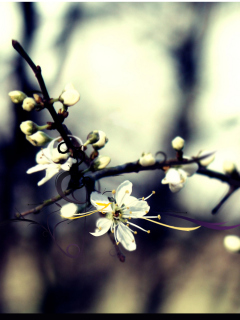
(147, 159)
(39, 139)
(97, 138)
(70, 95)
(229, 167)
(232, 243)
(178, 143)
(28, 127)
(206, 161)
(17, 96)
(37, 98)
(29, 104)
(68, 210)
(101, 162)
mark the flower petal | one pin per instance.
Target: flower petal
(99, 201)
(50, 172)
(138, 209)
(172, 176)
(103, 225)
(123, 192)
(126, 238)
(190, 168)
(176, 187)
(38, 167)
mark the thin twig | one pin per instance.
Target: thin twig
(45, 203)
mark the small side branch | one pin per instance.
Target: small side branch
(45, 203)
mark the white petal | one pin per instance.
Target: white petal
(172, 176)
(104, 224)
(131, 201)
(99, 200)
(38, 167)
(190, 168)
(176, 187)
(42, 157)
(123, 192)
(125, 237)
(138, 210)
(50, 172)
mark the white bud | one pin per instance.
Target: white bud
(29, 104)
(17, 96)
(68, 210)
(147, 159)
(101, 162)
(97, 138)
(229, 167)
(70, 95)
(206, 161)
(178, 143)
(39, 139)
(28, 127)
(232, 243)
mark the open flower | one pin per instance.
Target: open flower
(176, 177)
(119, 209)
(45, 162)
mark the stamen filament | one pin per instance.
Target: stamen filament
(133, 224)
(165, 225)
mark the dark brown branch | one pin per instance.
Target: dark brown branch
(45, 203)
(38, 73)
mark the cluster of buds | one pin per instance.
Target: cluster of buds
(34, 134)
(28, 103)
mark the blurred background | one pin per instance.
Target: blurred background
(147, 72)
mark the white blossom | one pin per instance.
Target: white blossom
(45, 162)
(101, 162)
(39, 139)
(232, 243)
(28, 127)
(68, 210)
(147, 159)
(178, 143)
(229, 167)
(119, 210)
(176, 177)
(206, 161)
(70, 95)
(17, 96)
(28, 104)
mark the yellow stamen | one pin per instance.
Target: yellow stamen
(129, 218)
(148, 231)
(165, 225)
(142, 198)
(113, 191)
(130, 212)
(133, 240)
(135, 232)
(127, 191)
(117, 243)
(128, 208)
(153, 192)
(120, 215)
(91, 212)
(146, 211)
(159, 217)
(112, 231)
(127, 224)
(99, 228)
